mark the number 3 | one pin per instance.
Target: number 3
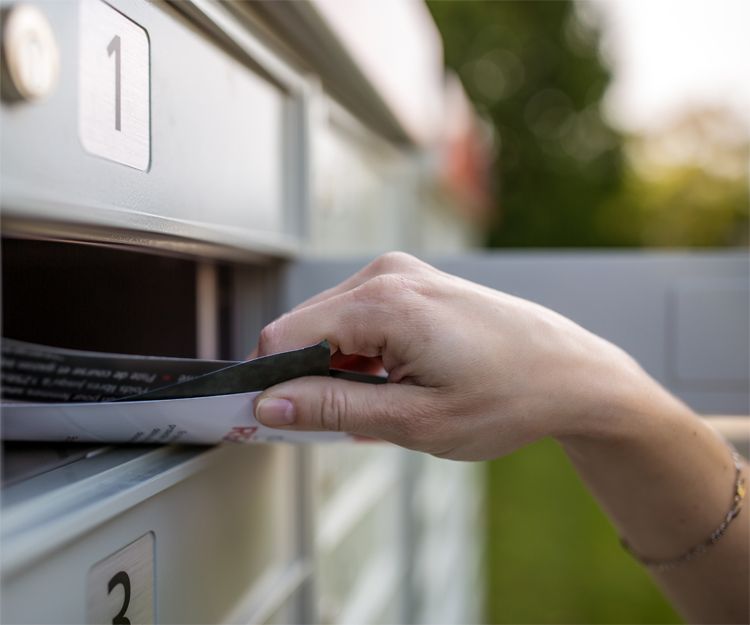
(121, 579)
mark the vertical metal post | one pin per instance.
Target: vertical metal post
(407, 535)
(306, 604)
(298, 160)
(207, 310)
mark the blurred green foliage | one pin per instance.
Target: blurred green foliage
(534, 72)
(552, 555)
(687, 184)
(562, 176)
(684, 206)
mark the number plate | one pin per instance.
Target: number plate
(114, 86)
(120, 588)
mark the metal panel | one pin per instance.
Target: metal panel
(382, 60)
(362, 197)
(121, 586)
(221, 522)
(114, 102)
(627, 297)
(219, 143)
(709, 326)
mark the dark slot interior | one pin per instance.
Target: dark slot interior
(98, 298)
(93, 298)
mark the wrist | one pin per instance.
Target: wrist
(622, 403)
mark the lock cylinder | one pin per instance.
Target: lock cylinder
(30, 57)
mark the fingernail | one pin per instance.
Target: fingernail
(275, 412)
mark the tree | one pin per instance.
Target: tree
(533, 70)
(686, 184)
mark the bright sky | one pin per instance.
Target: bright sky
(669, 55)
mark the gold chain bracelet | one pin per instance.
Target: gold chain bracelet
(737, 498)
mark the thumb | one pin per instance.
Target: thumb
(399, 413)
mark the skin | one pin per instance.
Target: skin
(520, 372)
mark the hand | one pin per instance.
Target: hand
(473, 373)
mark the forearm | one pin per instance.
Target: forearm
(666, 479)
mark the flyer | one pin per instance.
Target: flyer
(56, 394)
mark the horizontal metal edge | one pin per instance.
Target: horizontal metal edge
(41, 218)
(219, 23)
(302, 26)
(44, 524)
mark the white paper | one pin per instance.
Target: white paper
(195, 420)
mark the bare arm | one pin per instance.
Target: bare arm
(667, 481)
(475, 374)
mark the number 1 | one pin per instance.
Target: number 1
(114, 46)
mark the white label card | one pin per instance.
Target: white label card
(120, 588)
(114, 86)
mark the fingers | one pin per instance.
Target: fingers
(403, 414)
(277, 336)
(355, 322)
(392, 262)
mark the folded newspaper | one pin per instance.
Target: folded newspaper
(54, 394)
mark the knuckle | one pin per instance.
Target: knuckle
(428, 427)
(382, 285)
(333, 409)
(268, 337)
(372, 290)
(393, 262)
(388, 286)
(412, 431)
(445, 454)
(417, 427)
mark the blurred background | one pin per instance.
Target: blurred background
(613, 124)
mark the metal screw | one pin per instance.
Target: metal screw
(30, 57)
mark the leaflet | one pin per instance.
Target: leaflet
(55, 394)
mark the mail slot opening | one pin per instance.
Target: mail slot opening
(98, 298)
(95, 298)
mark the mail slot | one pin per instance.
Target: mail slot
(98, 298)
